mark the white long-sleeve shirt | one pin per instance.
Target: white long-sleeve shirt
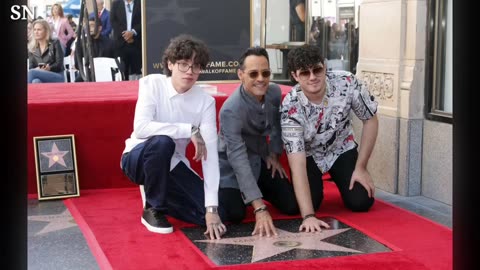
(161, 110)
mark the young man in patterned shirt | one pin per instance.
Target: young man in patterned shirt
(318, 135)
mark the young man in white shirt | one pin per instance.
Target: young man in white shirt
(170, 112)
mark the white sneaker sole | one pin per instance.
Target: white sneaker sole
(155, 229)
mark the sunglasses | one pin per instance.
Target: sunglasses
(305, 74)
(254, 74)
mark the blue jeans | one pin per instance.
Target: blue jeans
(178, 193)
(43, 76)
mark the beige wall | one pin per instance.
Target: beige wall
(407, 158)
(437, 173)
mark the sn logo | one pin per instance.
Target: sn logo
(20, 12)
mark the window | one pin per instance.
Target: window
(330, 25)
(439, 62)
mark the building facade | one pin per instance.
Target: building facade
(405, 56)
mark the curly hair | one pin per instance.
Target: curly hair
(304, 57)
(184, 47)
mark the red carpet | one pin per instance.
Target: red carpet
(100, 115)
(110, 221)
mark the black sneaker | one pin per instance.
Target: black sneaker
(156, 221)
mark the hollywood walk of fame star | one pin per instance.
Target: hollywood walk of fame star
(55, 156)
(55, 222)
(265, 247)
(172, 11)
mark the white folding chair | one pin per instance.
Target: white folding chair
(103, 69)
(69, 68)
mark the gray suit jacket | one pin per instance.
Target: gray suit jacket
(242, 140)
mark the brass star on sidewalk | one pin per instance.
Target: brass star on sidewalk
(55, 156)
(265, 247)
(55, 222)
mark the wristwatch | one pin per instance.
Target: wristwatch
(195, 130)
(212, 209)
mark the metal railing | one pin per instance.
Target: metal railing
(84, 56)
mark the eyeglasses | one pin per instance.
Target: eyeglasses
(305, 74)
(183, 67)
(129, 8)
(254, 74)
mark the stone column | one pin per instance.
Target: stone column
(391, 62)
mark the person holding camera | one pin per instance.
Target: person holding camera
(101, 46)
(45, 55)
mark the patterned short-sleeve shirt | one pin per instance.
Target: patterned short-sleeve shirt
(324, 131)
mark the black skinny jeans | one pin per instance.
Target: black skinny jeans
(178, 193)
(278, 191)
(341, 172)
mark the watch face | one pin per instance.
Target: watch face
(194, 129)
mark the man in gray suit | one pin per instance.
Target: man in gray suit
(250, 145)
